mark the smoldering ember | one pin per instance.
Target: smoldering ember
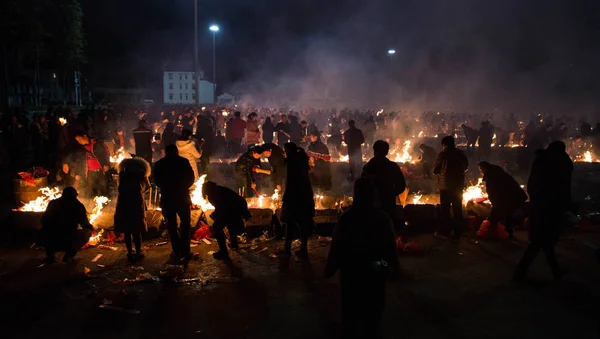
(344, 169)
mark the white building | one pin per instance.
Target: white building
(180, 88)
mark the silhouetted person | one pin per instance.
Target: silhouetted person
(276, 158)
(369, 130)
(298, 205)
(268, 129)
(354, 138)
(450, 167)
(549, 188)
(130, 212)
(238, 128)
(143, 141)
(174, 176)
(230, 211)
(283, 131)
(245, 170)
(486, 136)
(220, 146)
(93, 164)
(320, 161)
(386, 177)
(427, 158)
(169, 137)
(295, 130)
(64, 177)
(252, 131)
(60, 223)
(505, 194)
(186, 148)
(365, 259)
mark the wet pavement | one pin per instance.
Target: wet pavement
(453, 290)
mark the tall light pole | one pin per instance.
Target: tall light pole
(214, 29)
(196, 73)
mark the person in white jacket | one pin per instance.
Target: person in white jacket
(187, 149)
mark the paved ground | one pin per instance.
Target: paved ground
(453, 291)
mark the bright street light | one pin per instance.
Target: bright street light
(391, 51)
(214, 28)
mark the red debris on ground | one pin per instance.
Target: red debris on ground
(203, 232)
(488, 232)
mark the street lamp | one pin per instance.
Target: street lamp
(214, 29)
(391, 52)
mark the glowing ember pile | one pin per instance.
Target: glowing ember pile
(586, 157)
(475, 193)
(198, 198)
(41, 203)
(97, 211)
(119, 156)
(95, 238)
(344, 158)
(405, 156)
(417, 199)
(62, 121)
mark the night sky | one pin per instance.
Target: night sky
(464, 54)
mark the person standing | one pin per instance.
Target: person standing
(549, 188)
(320, 161)
(169, 137)
(298, 205)
(370, 128)
(95, 165)
(246, 168)
(130, 212)
(486, 136)
(231, 211)
(187, 149)
(252, 131)
(450, 167)
(427, 158)
(174, 176)
(365, 260)
(267, 130)
(505, 194)
(354, 138)
(295, 130)
(60, 226)
(64, 177)
(386, 177)
(283, 131)
(238, 129)
(143, 141)
(276, 158)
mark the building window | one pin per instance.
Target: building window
(194, 87)
(186, 77)
(180, 96)
(193, 96)
(170, 96)
(180, 86)
(186, 97)
(179, 76)
(186, 86)
(170, 86)
(170, 76)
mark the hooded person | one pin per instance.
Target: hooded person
(505, 194)
(187, 149)
(549, 188)
(298, 205)
(364, 260)
(65, 226)
(231, 211)
(130, 212)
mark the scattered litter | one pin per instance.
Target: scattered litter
(107, 302)
(160, 243)
(137, 268)
(218, 280)
(459, 253)
(32, 246)
(323, 239)
(274, 256)
(199, 331)
(144, 277)
(119, 309)
(186, 281)
(243, 238)
(194, 241)
(211, 252)
(253, 247)
(196, 256)
(98, 256)
(41, 265)
(206, 241)
(193, 245)
(86, 271)
(101, 266)
(106, 247)
(264, 249)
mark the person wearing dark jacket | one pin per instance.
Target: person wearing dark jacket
(283, 131)
(295, 130)
(505, 194)
(320, 161)
(94, 164)
(354, 138)
(549, 188)
(365, 260)
(486, 136)
(64, 177)
(230, 211)
(471, 135)
(386, 177)
(143, 141)
(298, 205)
(427, 158)
(130, 212)
(450, 167)
(60, 226)
(246, 168)
(169, 137)
(370, 128)
(174, 176)
(267, 131)
(276, 158)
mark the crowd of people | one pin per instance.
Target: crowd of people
(166, 151)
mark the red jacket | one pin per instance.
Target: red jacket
(237, 128)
